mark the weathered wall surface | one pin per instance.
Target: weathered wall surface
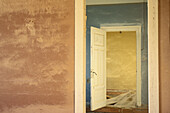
(118, 15)
(164, 38)
(121, 60)
(36, 56)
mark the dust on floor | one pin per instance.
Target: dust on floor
(126, 100)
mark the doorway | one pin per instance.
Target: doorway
(153, 57)
(121, 69)
(131, 61)
(116, 77)
(109, 19)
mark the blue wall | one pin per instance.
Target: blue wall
(121, 14)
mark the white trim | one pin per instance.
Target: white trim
(152, 58)
(138, 55)
(106, 2)
(79, 59)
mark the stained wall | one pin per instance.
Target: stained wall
(36, 56)
(121, 60)
(119, 15)
(164, 55)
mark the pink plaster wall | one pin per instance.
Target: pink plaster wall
(36, 56)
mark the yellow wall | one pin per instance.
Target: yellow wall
(121, 60)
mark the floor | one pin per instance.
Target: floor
(124, 100)
(113, 109)
(119, 110)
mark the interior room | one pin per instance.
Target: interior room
(124, 59)
(43, 52)
(121, 68)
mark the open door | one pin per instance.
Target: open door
(98, 68)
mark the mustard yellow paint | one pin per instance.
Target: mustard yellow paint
(121, 60)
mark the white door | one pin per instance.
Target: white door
(98, 68)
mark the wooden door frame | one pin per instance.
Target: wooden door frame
(137, 29)
(80, 56)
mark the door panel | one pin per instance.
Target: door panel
(98, 68)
